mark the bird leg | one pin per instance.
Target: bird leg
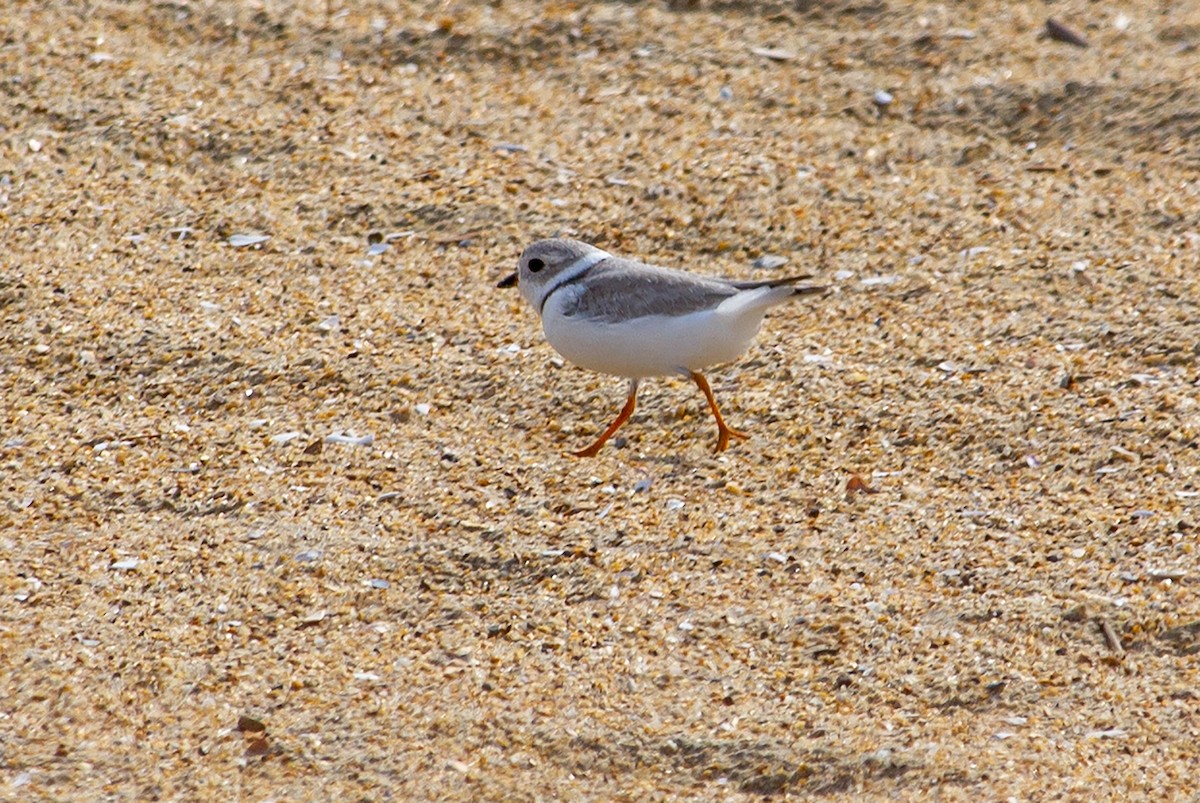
(626, 411)
(724, 431)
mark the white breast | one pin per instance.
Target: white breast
(658, 345)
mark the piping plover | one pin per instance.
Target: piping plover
(634, 320)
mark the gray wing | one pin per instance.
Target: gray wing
(619, 289)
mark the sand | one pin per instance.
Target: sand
(285, 508)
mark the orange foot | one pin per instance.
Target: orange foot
(724, 431)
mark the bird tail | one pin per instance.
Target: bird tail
(760, 295)
(797, 289)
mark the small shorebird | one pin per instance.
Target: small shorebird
(626, 318)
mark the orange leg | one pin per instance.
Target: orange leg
(626, 411)
(723, 429)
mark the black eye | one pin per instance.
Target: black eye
(536, 265)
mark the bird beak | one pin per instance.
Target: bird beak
(508, 281)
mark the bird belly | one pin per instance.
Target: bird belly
(652, 345)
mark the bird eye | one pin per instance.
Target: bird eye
(536, 265)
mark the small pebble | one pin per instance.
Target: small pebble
(1111, 733)
(245, 240)
(350, 440)
(770, 262)
(1061, 33)
(773, 53)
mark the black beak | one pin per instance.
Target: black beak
(508, 281)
